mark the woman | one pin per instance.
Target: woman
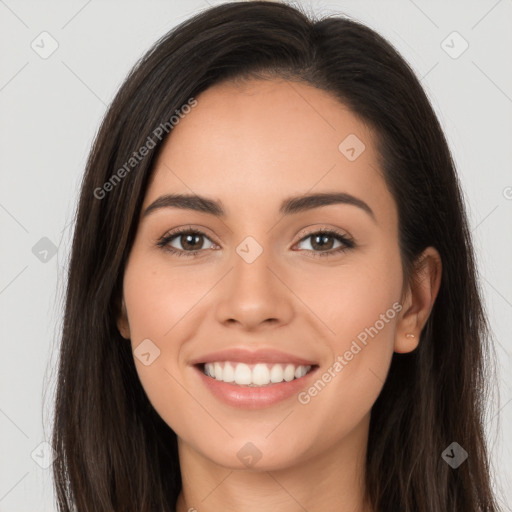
(272, 302)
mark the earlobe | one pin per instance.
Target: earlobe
(406, 343)
(122, 322)
(421, 295)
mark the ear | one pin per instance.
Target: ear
(122, 321)
(419, 299)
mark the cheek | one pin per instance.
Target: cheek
(348, 300)
(158, 300)
(359, 305)
(163, 307)
(157, 303)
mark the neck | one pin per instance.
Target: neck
(331, 480)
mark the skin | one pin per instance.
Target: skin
(251, 145)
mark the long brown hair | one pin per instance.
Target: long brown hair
(114, 451)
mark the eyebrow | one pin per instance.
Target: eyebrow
(289, 206)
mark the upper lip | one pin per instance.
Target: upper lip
(243, 355)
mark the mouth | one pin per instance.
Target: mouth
(254, 386)
(253, 379)
(255, 375)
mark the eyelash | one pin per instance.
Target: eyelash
(163, 242)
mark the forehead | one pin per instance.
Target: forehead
(262, 140)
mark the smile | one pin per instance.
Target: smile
(254, 375)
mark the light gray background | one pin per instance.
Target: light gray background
(51, 108)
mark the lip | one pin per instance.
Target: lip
(242, 355)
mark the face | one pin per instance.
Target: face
(263, 287)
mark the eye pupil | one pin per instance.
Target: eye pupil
(191, 241)
(321, 241)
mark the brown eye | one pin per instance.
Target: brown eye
(185, 242)
(322, 241)
(191, 241)
(326, 243)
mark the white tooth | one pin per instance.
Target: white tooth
(209, 369)
(229, 373)
(243, 374)
(276, 373)
(289, 372)
(260, 375)
(300, 371)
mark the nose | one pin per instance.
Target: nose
(254, 295)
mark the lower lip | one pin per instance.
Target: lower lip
(254, 397)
